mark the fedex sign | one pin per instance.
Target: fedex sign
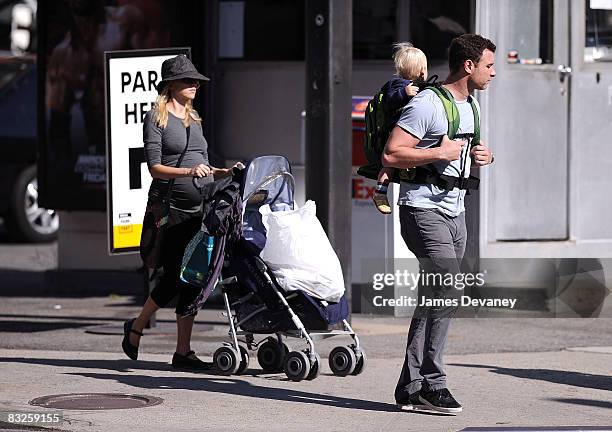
(362, 188)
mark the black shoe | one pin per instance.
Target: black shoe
(440, 400)
(409, 403)
(189, 361)
(130, 350)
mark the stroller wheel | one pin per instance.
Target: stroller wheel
(342, 361)
(315, 368)
(226, 360)
(244, 361)
(297, 366)
(271, 355)
(361, 363)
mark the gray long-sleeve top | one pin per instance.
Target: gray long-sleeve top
(164, 146)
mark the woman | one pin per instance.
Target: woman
(165, 137)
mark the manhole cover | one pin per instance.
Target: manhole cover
(95, 401)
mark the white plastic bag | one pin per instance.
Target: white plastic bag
(299, 253)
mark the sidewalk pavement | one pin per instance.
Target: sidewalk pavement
(505, 372)
(510, 389)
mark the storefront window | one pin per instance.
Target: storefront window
(262, 30)
(374, 29)
(531, 32)
(598, 38)
(72, 43)
(272, 30)
(429, 24)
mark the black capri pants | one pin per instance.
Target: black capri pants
(181, 229)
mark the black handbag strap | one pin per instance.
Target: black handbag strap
(178, 164)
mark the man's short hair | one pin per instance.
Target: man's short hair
(467, 47)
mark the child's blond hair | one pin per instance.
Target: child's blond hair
(409, 61)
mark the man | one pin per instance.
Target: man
(432, 218)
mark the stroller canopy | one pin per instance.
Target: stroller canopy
(268, 180)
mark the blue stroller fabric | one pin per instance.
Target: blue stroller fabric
(254, 230)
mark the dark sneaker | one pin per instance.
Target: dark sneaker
(440, 400)
(412, 402)
(189, 361)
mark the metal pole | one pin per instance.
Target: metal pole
(328, 121)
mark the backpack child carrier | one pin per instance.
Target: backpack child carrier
(379, 123)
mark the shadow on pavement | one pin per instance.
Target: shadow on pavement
(70, 283)
(4, 426)
(20, 283)
(213, 384)
(98, 319)
(122, 365)
(584, 402)
(577, 379)
(40, 326)
(235, 387)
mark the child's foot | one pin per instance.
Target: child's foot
(380, 200)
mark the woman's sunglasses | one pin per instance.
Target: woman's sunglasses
(191, 82)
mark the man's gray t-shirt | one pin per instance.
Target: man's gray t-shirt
(164, 146)
(425, 118)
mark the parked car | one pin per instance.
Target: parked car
(24, 219)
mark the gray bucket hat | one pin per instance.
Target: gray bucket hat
(177, 68)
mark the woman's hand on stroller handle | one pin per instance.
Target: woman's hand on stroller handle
(200, 171)
(237, 167)
(217, 173)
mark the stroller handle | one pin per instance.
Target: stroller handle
(234, 170)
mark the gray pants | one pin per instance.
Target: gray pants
(438, 241)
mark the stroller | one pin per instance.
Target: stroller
(256, 304)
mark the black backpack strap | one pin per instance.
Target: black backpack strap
(178, 164)
(476, 120)
(428, 174)
(423, 175)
